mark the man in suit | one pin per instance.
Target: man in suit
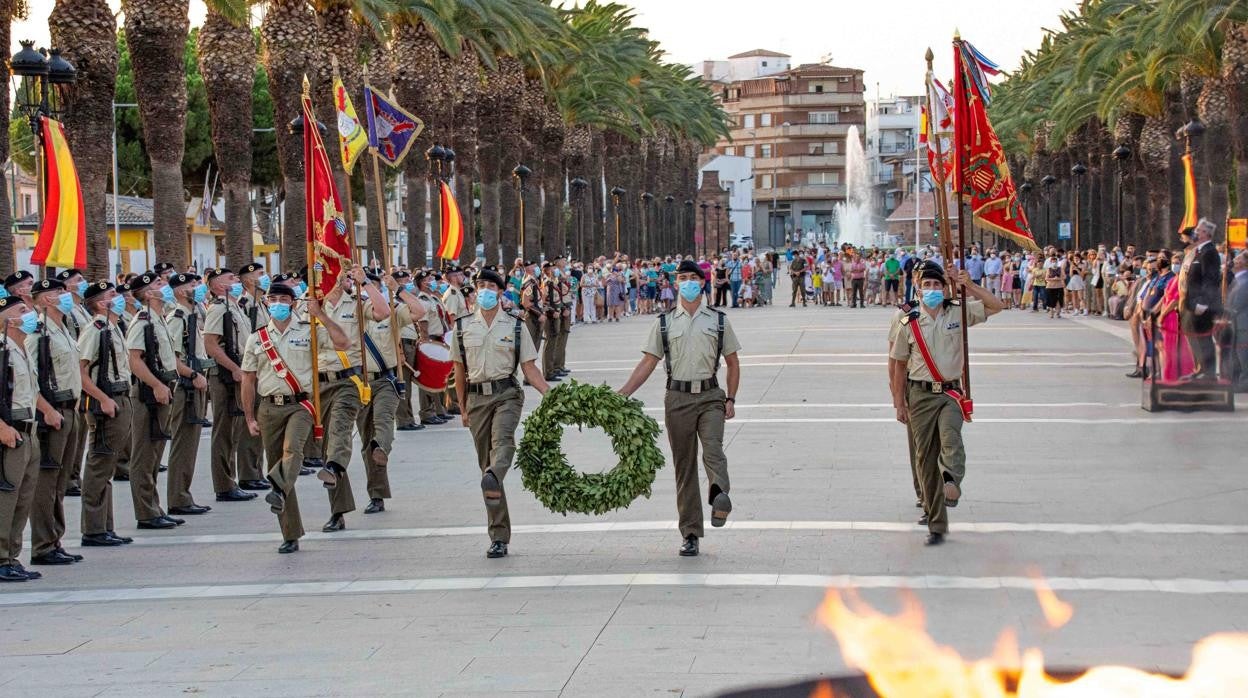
(1200, 298)
(1238, 302)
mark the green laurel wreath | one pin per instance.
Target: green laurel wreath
(545, 470)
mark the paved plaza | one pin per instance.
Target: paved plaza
(1138, 519)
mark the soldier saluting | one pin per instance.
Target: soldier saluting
(690, 340)
(926, 363)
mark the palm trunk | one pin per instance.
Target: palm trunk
(89, 31)
(1214, 107)
(420, 72)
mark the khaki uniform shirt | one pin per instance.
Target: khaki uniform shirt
(344, 315)
(164, 339)
(177, 319)
(262, 313)
(943, 336)
(491, 348)
(25, 379)
(294, 346)
(89, 350)
(77, 320)
(455, 303)
(530, 293)
(214, 322)
(379, 332)
(433, 315)
(693, 341)
(565, 291)
(64, 350)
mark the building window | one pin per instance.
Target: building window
(823, 178)
(749, 151)
(764, 151)
(823, 117)
(764, 120)
(730, 150)
(27, 205)
(748, 121)
(824, 148)
(764, 64)
(765, 181)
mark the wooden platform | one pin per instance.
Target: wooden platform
(1188, 396)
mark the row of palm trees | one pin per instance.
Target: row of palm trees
(574, 92)
(1142, 79)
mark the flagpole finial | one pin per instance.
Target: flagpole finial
(957, 34)
(929, 56)
(307, 86)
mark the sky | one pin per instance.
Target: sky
(887, 41)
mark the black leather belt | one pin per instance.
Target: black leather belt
(340, 375)
(285, 399)
(491, 387)
(931, 387)
(694, 387)
(378, 375)
(19, 415)
(65, 404)
(23, 427)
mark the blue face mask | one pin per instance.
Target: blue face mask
(65, 303)
(201, 292)
(558, 273)
(279, 311)
(443, 286)
(690, 290)
(119, 305)
(487, 298)
(138, 304)
(301, 288)
(30, 321)
(932, 298)
(409, 287)
(236, 290)
(264, 282)
(166, 294)
(3, 292)
(82, 288)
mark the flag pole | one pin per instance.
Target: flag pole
(380, 194)
(314, 279)
(939, 198)
(959, 126)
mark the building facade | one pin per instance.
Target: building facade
(792, 122)
(891, 149)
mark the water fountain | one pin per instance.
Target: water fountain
(854, 219)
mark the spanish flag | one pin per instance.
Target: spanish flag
(1190, 217)
(63, 233)
(452, 226)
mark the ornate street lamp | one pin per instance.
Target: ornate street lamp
(669, 223)
(617, 193)
(718, 217)
(688, 231)
(647, 230)
(578, 197)
(704, 206)
(1078, 171)
(521, 174)
(1121, 154)
(1048, 182)
(449, 159)
(39, 93)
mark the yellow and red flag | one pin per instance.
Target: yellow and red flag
(63, 233)
(352, 140)
(452, 225)
(936, 130)
(326, 227)
(1190, 217)
(981, 173)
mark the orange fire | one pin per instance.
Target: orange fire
(901, 660)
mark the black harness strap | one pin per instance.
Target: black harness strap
(515, 363)
(667, 354)
(463, 352)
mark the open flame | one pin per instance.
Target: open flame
(900, 660)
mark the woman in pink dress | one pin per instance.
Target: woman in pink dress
(1174, 356)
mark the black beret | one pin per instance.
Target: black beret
(302, 273)
(547, 263)
(18, 277)
(283, 278)
(372, 277)
(928, 269)
(688, 266)
(182, 279)
(47, 285)
(9, 302)
(162, 267)
(96, 289)
(454, 269)
(144, 281)
(530, 263)
(64, 275)
(422, 275)
(281, 290)
(493, 277)
(248, 268)
(400, 275)
(214, 273)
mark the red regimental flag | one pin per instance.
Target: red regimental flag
(981, 174)
(327, 230)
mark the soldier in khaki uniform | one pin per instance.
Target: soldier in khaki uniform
(343, 386)
(404, 289)
(54, 349)
(564, 280)
(455, 302)
(376, 420)
(487, 348)
(19, 447)
(690, 340)
(894, 329)
(75, 321)
(105, 374)
(934, 417)
(250, 449)
(187, 412)
(552, 304)
(155, 367)
(285, 421)
(225, 332)
(432, 326)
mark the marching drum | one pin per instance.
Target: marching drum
(433, 365)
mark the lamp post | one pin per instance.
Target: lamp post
(689, 224)
(704, 206)
(617, 193)
(647, 230)
(1078, 171)
(449, 159)
(1191, 133)
(669, 223)
(1122, 153)
(521, 174)
(578, 197)
(1048, 182)
(718, 216)
(1025, 189)
(436, 155)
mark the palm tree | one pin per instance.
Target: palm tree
(9, 10)
(156, 32)
(89, 30)
(227, 63)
